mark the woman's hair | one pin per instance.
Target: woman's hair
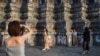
(46, 31)
(14, 28)
(86, 29)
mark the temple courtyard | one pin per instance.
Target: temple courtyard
(57, 51)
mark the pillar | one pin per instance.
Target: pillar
(67, 15)
(32, 19)
(49, 19)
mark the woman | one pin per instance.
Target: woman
(74, 38)
(86, 40)
(48, 41)
(15, 43)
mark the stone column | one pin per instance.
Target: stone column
(2, 13)
(29, 21)
(84, 14)
(2, 19)
(69, 34)
(15, 11)
(5, 34)
(19, 1)
(49, 19)
(32, 19)
(30, 1)
(93, 15)
(13, 1)
(16, 1)
(67, 15)
(91, 38)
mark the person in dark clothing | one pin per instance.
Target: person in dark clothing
(86, 40)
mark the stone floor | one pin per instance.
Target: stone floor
(57, 51)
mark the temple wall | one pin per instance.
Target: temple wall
(58, 16)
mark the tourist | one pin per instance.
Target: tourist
(47, 41)
(15, 43)
(74, 38)
(86, 40)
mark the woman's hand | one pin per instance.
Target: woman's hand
(22, 25)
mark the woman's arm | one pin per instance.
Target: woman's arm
(28, 34)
